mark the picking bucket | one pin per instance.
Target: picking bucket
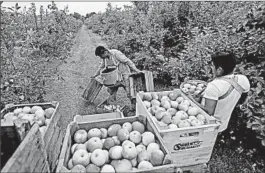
(110, 76)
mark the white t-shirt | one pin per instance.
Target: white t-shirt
(224, 107)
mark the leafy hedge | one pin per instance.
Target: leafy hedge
(175, 41)
(29, 42)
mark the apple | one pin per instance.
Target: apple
(167, 118)
(184, 123)
(17, 111)
(193, 111)
(123, 134)
(40, 113)
(128, 126)
(147, 104)
(47, 121)
(187, 85)
(157, 157)
(148, 97)
(165, 104)
(107, 168)
(192, 117)
(176, 119)
(80, 146)
(145, 165)
(48, 112)
(79, 169)
(201, 117)
(80, 136)
(115, 152)
(140, 148)
(172, 126)
(73, 148)
(196, 122)
(154, 96)
(108, 143)
(173, 96)
(123, 165)
(152, 147)
(94, 143)
(135, 137)
(102, 140)
(92, 168)
(81, 157)
(104, 133)
(26, 110)
(147, 138)
(143, 155)
(183, 107)
(180, 99)
(185, 90)
(172, 111)
(129, 151)
(174, 104)
(34, 109)
(138, 126)
(159, 114)
(177, 92)
(114, 163)
(116, 140)
(155, 103)
(141, 94)
(186, 102)
(98, 157)
(182, 114)
(127, 142)
(154, 109)
(70, 164)
(107, 155)
(113, 129)
(94, 132)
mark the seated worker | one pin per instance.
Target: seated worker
(115, 58)
(226, 90)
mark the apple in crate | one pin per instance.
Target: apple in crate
(80, 136)
(104, 133)
(123, 134)
(138, 126)
(92, 168)
(157, 157)
(93, 144)
(147, 138)
(26, 110)
(127, 126)
(79, 169)
(107, 168)
(129, 151)
(152, 147)
(143, 155)
(98, 157)
(108, 143)
(123, 165)
(115, 152)
(145, 165)
(81, 157)
(94, 132)
(34, 109)
(113, 129)
(49, 112)
(135, 137)
(127, 142)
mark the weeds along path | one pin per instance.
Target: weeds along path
(73, 77)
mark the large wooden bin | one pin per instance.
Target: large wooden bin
(190, 145)
(53, 136)
(73, 126)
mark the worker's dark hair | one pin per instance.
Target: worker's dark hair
(226, 60)
(100, 50)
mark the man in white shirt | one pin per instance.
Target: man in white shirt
(223, 93)
(113, 57)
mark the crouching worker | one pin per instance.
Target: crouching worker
(115, 59)
(226, 90)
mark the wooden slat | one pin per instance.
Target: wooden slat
(96, 117)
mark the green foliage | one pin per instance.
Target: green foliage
(29, 41)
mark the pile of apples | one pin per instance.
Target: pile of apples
(118, 148)
(170, 110)
(34, 114)
(193, 87)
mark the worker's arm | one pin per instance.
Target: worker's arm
(102, 65)
(123, 59)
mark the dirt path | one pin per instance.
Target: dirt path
(74, 76)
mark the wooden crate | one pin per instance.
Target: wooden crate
(30, 156)
(188, 146)
(97, 117)
(53, 137)
(145, 80)
(92, 90)
(73, 126)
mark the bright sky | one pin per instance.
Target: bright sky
(80, 7)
